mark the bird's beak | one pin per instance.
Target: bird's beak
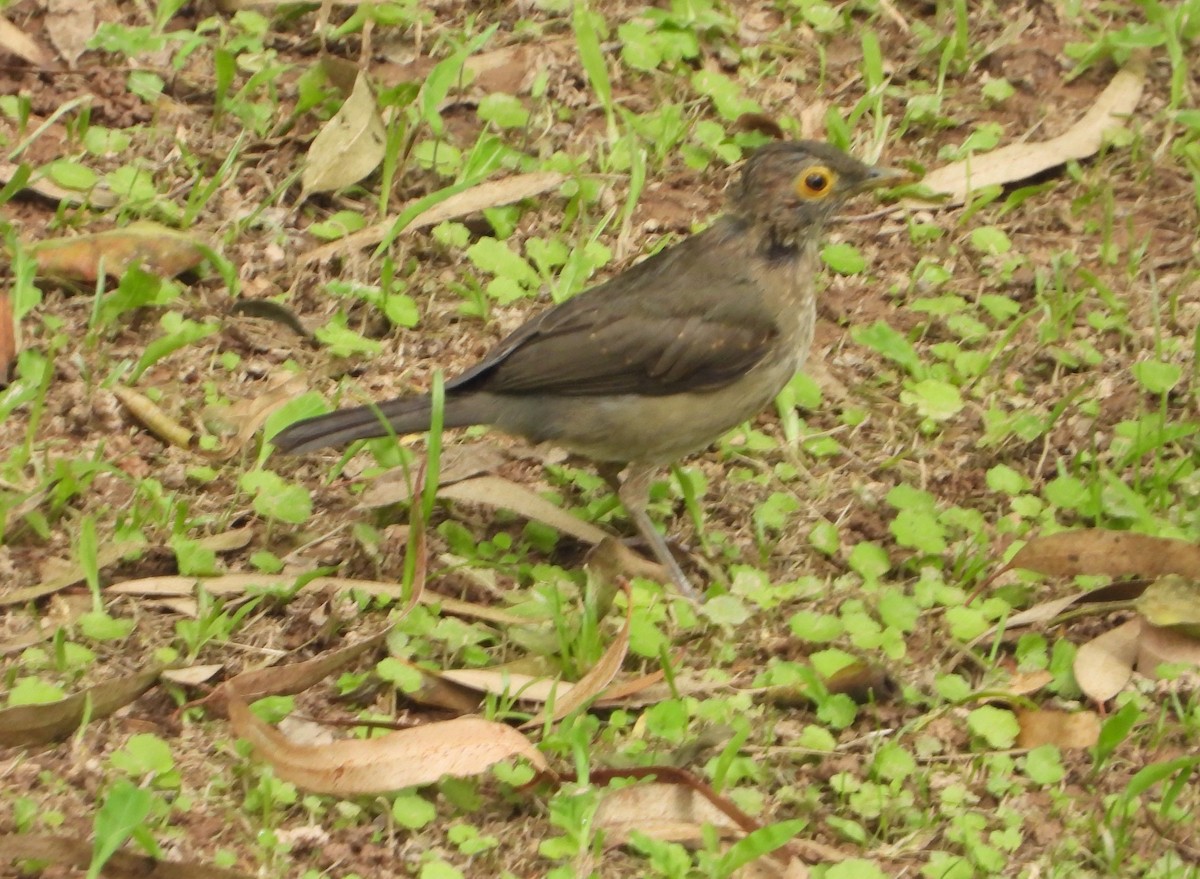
(880, 177)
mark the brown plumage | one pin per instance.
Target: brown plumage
(662, 359)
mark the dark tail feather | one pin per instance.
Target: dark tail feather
(404, 414)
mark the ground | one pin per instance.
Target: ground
(981, 375)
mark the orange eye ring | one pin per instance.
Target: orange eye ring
(815, 182)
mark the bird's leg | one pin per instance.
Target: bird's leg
(634, 492)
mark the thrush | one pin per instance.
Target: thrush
(662, 359)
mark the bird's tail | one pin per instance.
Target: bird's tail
(402, 415)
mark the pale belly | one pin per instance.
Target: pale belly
(653, 430)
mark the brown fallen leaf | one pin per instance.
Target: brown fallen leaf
(15, 41)
(287, 680)
(1111, 553)
(348, 147)
(670, 812)
(192, 675)
(458, 462)
(73, 852)
(489, 194)
(1123, 592)
(70, 24)
(1065, 729)
(52, 721)
(63, 611)
(501, 493)
(156, 248)
(1104, 665)
(463, 747)
(1162, 646)
(247, 416)
(1020, 161)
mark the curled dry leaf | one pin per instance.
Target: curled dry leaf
(192, 675)
(1065, 729)
(463, 747)
(1104, 665)
(1111, 553)
(1048, 611)
(156, 248)
(51, 721)
(489, 194)
(153, 418)
(75, 853)
(595, 681)
(349, 146)
(286, 680)
(1020, 161)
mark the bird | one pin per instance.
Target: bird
(660, 360)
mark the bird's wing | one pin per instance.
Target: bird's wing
(683, 320)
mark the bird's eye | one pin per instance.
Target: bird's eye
(816, 182)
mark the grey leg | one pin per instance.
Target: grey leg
(633, 493)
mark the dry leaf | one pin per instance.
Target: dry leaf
(51, 721)
(156, 248)
(1047, 611)
(63, 611)
(349, 146)
(611, 558)
(458, 462)
(192, 675)
(248, 416)
(489, 194)
(670, 812)
(1114, 553)
(237, 584)
(287, 680)
(74, 852)
(70, 24)
(1104, 665)
(495, 491)
(463, 747)
(1065, 729)
(1020, 161)
(595, 681)
(108, 554)
(16, 42)
(1161, 646)
(153, 418)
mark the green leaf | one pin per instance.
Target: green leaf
(934, 399)
(880, 337)
(275, 498)
(1157, 377)
(125, 810)
(996, 726)
(757, 843)
(845, 259)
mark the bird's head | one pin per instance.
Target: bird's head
(791, 188)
